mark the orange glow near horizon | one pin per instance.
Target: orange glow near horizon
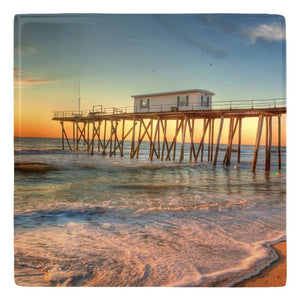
(33, 112)
(41, 125)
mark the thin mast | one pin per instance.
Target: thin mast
(79, 98)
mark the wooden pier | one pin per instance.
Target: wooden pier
(106, 132)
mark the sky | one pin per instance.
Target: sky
(114, 56)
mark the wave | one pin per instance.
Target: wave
(56, 215)
(34, 167)
(40, 151)
(260, 256)
(111, 254)
(147, 186)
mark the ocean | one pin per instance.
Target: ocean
(82, 220)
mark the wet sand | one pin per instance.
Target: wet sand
(272, 276)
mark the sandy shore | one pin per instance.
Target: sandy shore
(272, 276)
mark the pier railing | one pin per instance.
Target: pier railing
(250, 104)
(99, 110)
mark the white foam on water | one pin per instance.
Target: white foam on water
(154, 252)
(100, 221)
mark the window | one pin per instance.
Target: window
(183, 101)
(144, 103)
(205, 101)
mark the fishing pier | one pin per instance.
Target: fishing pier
(105, 129)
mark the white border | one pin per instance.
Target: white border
(290, 11)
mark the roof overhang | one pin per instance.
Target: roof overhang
(174, 92)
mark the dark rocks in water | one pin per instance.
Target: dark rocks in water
(34, 167)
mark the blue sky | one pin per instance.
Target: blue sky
(114, 56)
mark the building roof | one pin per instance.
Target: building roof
(174, 92)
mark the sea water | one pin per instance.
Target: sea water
(82, 220)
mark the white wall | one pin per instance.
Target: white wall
(165, 102)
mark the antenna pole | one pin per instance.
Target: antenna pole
(79, 98)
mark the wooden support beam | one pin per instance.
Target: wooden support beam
(158, 143)
(173, 144)
(183, 139)
(104, 137)
(269, 147)
(212, 138)
(64, 135)
(218, 140)
(74, 148)
(203, 138)
(279, 142)
(257, 141)
(165, 135)
(191, 130)
(98, 134)
(82, 134)
(88, 136)
(88, 142)
(201, 144)
(141, 137)
(232, 130)
(132, 139)
(136, 150)
(110, 137)
(151, 136)
(175, 139)
(127, 134)
(266, 143)
(209, 139)
(116, 141)
(226, 159)
(93, 138)
(156, 136)
(239, 141)
(115, 137)
(165, 140)
(122, 141)
(154, 140)
(77, 135)
(146, 132)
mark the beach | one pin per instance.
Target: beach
(273, 275)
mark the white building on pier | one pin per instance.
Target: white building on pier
(194, 99)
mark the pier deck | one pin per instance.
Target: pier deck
(197, 114)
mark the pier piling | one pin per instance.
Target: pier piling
(110, 131)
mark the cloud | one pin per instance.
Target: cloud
(25, 50)
(270, 30)
(273, 32)
(221, 23)
(189, 40)
(22, 79)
